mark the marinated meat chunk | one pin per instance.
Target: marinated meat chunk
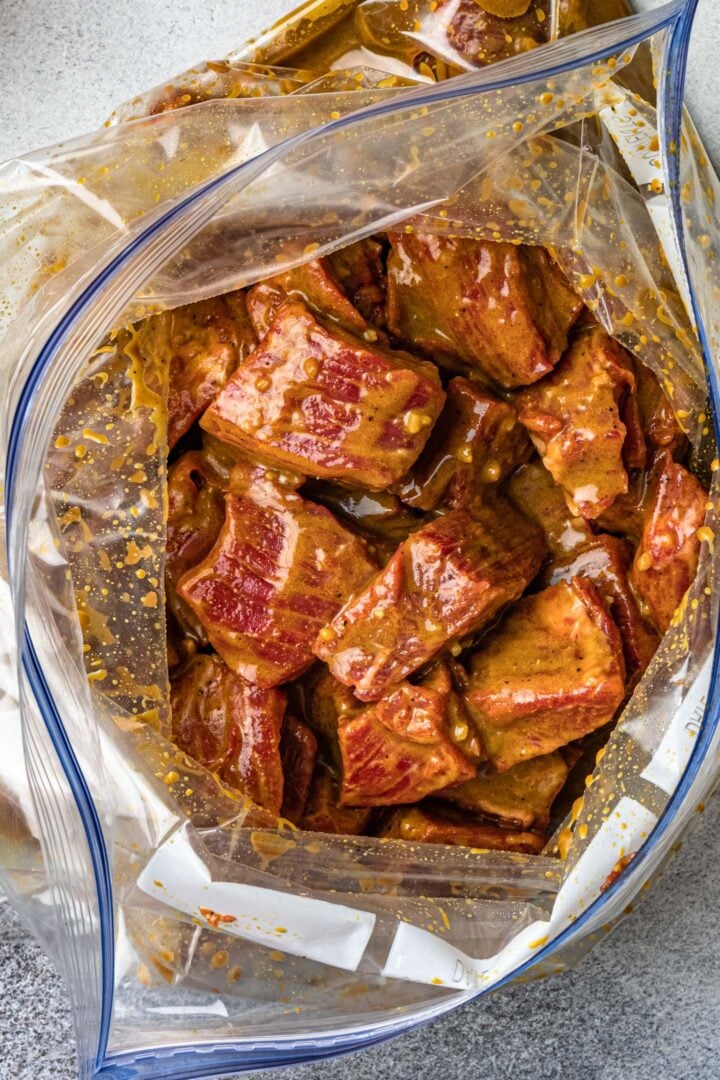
(534, 492)
(606, 561)
(329, 703)
(230, 727)
(314, 284)
(361, 271)
(657, 418)
(203, 344)
(316, 399)
(450, 680)
(399, 750)
(634, 451)
(476, 441)
(372, 513)
(485, 31)
(551, 673)
(574, 419)
(196, 511)
(447, 580)
(418, 824)
(279, 570)
(298, 751)
(324, 812)
(500, 309)
(522, 796)
(626, 514)
(666, 560)
(181, 646)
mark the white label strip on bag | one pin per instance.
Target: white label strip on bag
(635, 141)
(315, 929)
(670, 760)
(420, 956)
(623, 832)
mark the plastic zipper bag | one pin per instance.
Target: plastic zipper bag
(197, 933)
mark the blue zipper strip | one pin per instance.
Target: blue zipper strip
(202, 1060)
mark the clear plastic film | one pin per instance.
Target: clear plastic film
(184, 917)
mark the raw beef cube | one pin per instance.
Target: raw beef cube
(551, 673)
(315, 285)
(666, 560)
(399, 750)
(447, 580)
(494, 307)
(418, 824)
(298, 750)
(315, 399)
(280, 569)
(606, 560)
(324, 813)
(574, 419)
(203, 344)
(534, 492)
(521, 797)
(230, 727)
(476, 441)
(360, 270)
(196, 511)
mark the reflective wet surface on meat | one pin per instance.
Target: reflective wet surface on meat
(447, 580)
(427, 524)
(494, 308)
(314, 398)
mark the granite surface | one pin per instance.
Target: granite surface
(646, 1004)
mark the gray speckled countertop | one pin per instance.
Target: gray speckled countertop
(646, 1004)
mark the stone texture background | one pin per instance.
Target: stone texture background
(646, 1004)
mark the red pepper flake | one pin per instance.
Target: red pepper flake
(617, 870)
(214, 918)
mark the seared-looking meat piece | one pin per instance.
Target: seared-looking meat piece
(485, 31)
(359, 269)
(666, 560)
(498, 308)
(534, 492)
(574, 419)
(298, 751)
(658, 421)
(280, 569)
(313, 398)
(324, 812)
(578, 552)
(399, 750)
(606, 560)
(203, 343)
(476, 441)
(522, 796)
(196, 511)
(418, 824)
(551, 673)
(447, 580)
(314, 284)
(230, 727)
